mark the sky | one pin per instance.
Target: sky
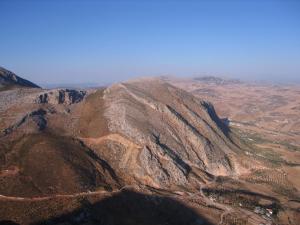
(65, 41)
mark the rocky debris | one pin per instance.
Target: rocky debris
(61, 96)
(8, 78)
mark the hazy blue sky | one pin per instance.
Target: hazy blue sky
(104, 41)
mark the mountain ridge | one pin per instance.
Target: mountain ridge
(67, 149)
(10, 80)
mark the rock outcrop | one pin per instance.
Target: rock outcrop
(61, 96)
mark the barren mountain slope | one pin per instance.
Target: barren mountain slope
(157, 134)
(174, 131)
(37, 158)
(74, 152)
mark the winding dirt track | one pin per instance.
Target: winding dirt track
(80, 194)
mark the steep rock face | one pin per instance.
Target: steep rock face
(9, 79)
(173, 134)
(61, 96)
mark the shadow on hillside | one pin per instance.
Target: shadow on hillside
(131, 208)
(7, 222)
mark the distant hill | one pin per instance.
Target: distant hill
(217, 80)
(9, 80)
